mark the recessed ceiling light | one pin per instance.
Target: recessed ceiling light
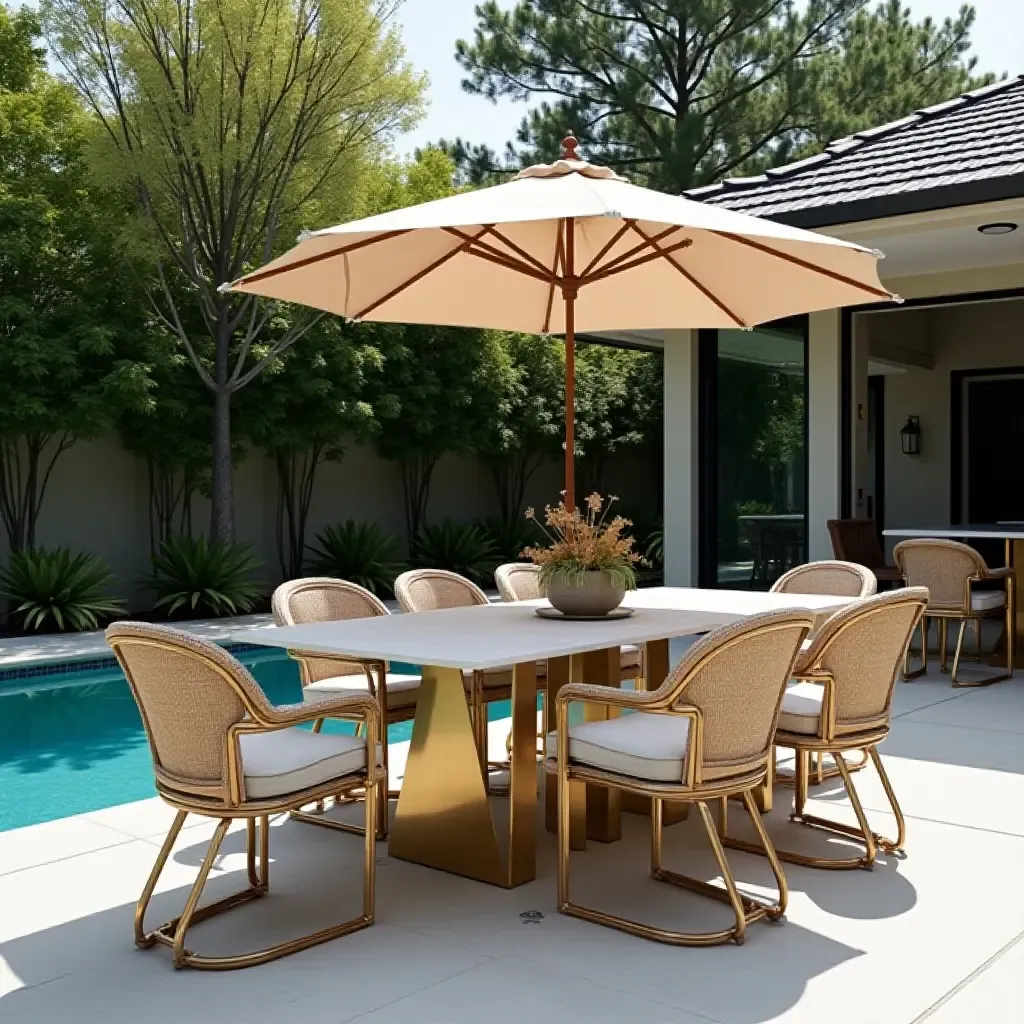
(999, 228)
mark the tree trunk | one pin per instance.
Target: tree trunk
(222, 505)
(222, 518)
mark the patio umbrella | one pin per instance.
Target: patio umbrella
(568, 247)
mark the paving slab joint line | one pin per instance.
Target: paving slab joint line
(960, 986)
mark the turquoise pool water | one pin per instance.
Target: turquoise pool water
(74, 743)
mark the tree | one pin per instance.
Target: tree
(68, 361)
(439, 392)
(530, 423)
(305, 408)
(235, 123)
(680, 93)
(884, 67)
(615, 388)
(172, 434)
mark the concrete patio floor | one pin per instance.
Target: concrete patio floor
(934, 937)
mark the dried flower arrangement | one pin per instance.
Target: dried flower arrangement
(583, 543)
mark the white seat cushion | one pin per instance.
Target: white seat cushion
(801, 708)
(641, 745)
(402, 688)
(987, 600)
(288, 760)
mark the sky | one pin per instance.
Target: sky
(431, 27)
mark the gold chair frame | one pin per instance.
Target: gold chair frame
(962, 613)
(692, 789)
(231, 804)
(376, 682)
(830, 741)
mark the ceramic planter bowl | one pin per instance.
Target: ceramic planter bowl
(594, 595)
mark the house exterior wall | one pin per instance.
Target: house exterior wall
(966, 337)
(681, 469)
(824, 370)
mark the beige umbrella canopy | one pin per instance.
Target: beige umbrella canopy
(568, 247)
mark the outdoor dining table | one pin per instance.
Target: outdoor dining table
(1012, 535)
(444, 818)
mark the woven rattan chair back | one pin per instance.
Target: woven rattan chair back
(190, 693)
(518, 581)
(837, 579)
(324, 599)
(945, 567)
(862, 649)
(736, 676)
(427, 590)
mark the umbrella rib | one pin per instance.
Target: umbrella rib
(495, 255)
(559, 258)
(630, 253)
(604, 272)
(261, 275)
(707, 293)
(626, 225)
(492, 230)
(803, 263)
(462, 247)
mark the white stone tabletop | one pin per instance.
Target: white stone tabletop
(491, 636)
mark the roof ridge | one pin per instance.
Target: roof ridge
(860, 139)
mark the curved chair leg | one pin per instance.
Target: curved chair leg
(862, 832)
(174, 932)
(909, 673)
(1006, 673)
(745, 909)
(144, 939)
(890, 845)
(821, 771)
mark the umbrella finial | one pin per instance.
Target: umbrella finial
(569, 147)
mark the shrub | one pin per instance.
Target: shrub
(511, 538)
(359, 552)
(69, 590)
(464, 548)
(204, 577)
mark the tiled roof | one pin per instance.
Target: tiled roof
(967, 150)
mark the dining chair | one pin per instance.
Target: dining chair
(685, 742)
(857, 540)
(422, 590)
(221, 750)
(835, 579)
(841, 701)
(950, 571)
(325, 599)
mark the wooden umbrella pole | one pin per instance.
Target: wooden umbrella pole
(570, 402)
(569, 291)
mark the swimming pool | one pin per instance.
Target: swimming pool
(72, 741)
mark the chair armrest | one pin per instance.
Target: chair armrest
(610, 696)
(354, 705)
(1002, 573)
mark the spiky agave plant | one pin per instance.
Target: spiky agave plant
(58, 588)
(206, 577)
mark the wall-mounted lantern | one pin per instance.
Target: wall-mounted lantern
(910, 435)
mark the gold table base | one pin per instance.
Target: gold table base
(444, 818)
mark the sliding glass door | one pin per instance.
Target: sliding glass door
(753, 419)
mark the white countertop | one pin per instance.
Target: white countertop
(1000, 531)
(490, 636)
